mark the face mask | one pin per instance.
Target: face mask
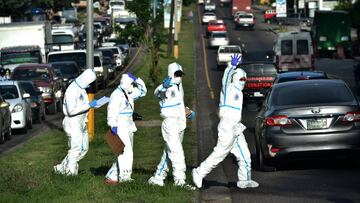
(177, 80)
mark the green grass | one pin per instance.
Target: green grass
(26, 174)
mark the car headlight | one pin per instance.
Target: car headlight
(344, 38)
(17, 108)
(45, 89)
(98, 73)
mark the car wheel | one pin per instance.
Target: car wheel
(43, 115)
(29, 124)
(8, 135)
(2, 137)
(59, 106)
(261, 160)
(51, 108)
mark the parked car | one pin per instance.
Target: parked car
(260, 78)
(294, 51)
(245, 21)
(68, 69)
(44, 77)
(110, 66)
(237, 14)
(210, 6)
(219, 39)
(300, 75)
(5, 120)
(102, 75)
(78, 56)
(215, 25)
(37, 103)
(109, 54)
(224, 54)
(118, 54)
(207, 16)
(20, 105)
(307, 116)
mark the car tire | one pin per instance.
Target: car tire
(2, 137)
(29, 123)
(261, 160)
(43, 115)
(8, 135)
(51, 108)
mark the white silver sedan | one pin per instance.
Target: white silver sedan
(207, 16)
(219, 39)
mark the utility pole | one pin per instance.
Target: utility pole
(154, 9)
(170, 41)
(176, 31)
(90, 63)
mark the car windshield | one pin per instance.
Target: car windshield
(78, 57)
(209, 14)
(245, 16)
(311, 94)
(219, 35)
(67, 69)
(62, 39)
(31, 74)
(259, 69)
(28, 88)
(20, 57)
(9, 92)
(216, 23)
(97, 62)
(230, 50)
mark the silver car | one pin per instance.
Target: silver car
(219, 39)
(207, 16)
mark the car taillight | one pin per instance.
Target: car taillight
(279, 120)
(352, 117)
(33, 104)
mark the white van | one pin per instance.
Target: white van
(294, 51)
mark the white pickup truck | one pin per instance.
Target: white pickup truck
(224, 54)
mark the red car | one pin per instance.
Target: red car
(215, 25)
(46, 79)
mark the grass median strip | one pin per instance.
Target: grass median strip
(26, 175)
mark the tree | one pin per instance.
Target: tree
(148, 31)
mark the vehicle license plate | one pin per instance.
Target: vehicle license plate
(258, 94)
(313, 124)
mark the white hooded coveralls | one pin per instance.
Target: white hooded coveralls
(75, 108)
(230, 129)
(119, 114)
(172, 129)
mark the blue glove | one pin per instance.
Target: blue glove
(191, 116)
(166, 82)
(93, 103)
(235, 59)
(132, 76)
(114, 130)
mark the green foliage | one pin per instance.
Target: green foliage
(353, 10)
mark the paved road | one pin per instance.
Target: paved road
(316, 180)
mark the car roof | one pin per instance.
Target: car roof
(8, 82)
(293, 74)
(300, 83)
(33, 65)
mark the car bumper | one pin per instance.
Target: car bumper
(218, 43)
(287, 144)
(245, 25)
(18, 120)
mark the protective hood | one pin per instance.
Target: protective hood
(87, 77)
(125, 83)
(172, 68)
(239, 78)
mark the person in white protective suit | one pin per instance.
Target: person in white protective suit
(230, 130)
(171, 95)
(75, 107)
(120, 119)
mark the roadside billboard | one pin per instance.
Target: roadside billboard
(280, 8)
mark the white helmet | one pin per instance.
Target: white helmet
(85, 78)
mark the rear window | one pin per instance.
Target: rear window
(259, 69)
(67, 69)
(222, 35)
(310, 94)
(31, 74)
(9, 91)
(245, 16)
(29, 88)
(286, 47)
(302, 47)
(230, 50)
(216, 23)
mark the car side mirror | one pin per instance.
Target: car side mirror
(4, 105)
(26, 96)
